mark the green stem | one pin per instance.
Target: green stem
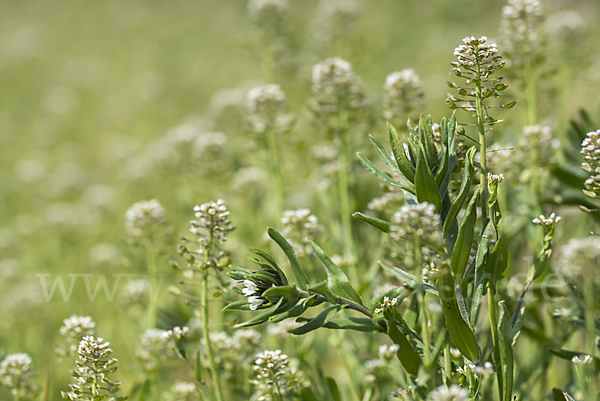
(448, 363)
(204, 300)
(530, 93)
(482, 148)
(275, 170)
(344, 189)
(351, 382)
(151, 261)
(276, 383)
(421, 300)
(341, 301)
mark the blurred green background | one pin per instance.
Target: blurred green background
(89, 89)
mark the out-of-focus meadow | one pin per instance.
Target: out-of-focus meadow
(107, 103)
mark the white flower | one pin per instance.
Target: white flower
(388, 351)
(452, 393)
(386, 304)
(144, 218)
(581, 359)
(547, 222)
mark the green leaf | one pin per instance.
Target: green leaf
(336, 279)
(498, 260)
(299, 275)
(405, 166)
(382, 225)
(425, 185)
(451, 138)
(308, 395)
(262, 317)
(333, 387)
(480, 262)
(271, 261)
(237, 305)
(296, 310)
(506, 354)
(459, 330)
(354, 323)
(319, 321)
(409, 358)
(427, 140)
(408, 278)
(463, 192)
(381, 175)
(466, 232)
(568, 355)
(289, 292)
(179, 349)
(383, 154)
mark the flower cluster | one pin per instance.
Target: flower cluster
(590, 149)
(16, 373)
(178, 332)
(387, 303)
(298, 226)
(254, 293)
(520, 32)
(403, 96)
(91, 375)
(387, 203)
(211, 227)
(231, 350)
(251, 181)
(547, 222)
(335, 90)
(582, 359)
(418, 220)
(452, 393)
(153, 348)
(388, 351)
(580, 257)
(495, 178)
(182, 391)
(209, 152)
(274, 377)
(73, 331)
(537, 140)
(336, 25)
(266, 108)
(144, 220)
(477, 63)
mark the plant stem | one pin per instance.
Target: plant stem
(421, 300)
(276, 383)
(345, 203)
(151, 260)
(204, 300)
(482, 148)
(530, 93)
(275, 170)
(448, 363)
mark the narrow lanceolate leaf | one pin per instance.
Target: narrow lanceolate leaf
(383, 225)
(404, 164)
(408, 278)
(459, 329)
(425, 186)
(380, 174)
(336, 279)
(354, 323)
(261, 317)
(506, 353)
(409, 358)
(294, 311)
(289, 292)
(383, 154)
(466, 232)
(427, 141)
(237, 305)
(271, 262)
(480, 261)
(199, 368)
(319, 321)
(451, 153)
(463, 192)
(498, 260)
(299, 275)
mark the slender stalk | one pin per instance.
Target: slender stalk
(351, 382)
(276, 383)
(530, 93)
(344, 193)
(421, 299)
(482, 148)
(151, 261)
(448, 363)
(204, 300)
(275, 170)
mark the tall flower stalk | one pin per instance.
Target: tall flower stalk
(477, 63)
(211, 228)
